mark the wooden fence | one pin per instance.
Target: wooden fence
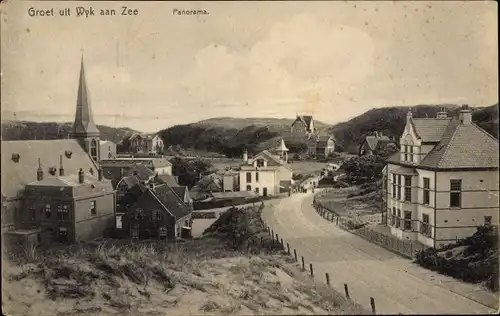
(358, 227)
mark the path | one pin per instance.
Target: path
(398, 285)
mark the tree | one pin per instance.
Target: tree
(190, 171)
(364, 169)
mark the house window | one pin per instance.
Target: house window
(411, 153)
(93, 209)
(487, 220)
(427, 187)
(135, 231)
(33, 213)
(256, 177)
(249, 177)
(249, 188)
(93, 150)
(408, 188)
(156, 215)
(394, 186)
(139, 213)
(48, 211)
(62, 212)
(162, 232)
(393, 217)
(455, 193)
(399, 187)
(257, 190)
(425, 228)
(398, 219)
(407, 225)
(405, 149)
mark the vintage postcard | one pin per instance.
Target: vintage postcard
(249, 157)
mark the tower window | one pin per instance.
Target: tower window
(93, 149)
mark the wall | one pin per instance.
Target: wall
(164, 170)
(88, 226)
(479, 199)
(107, 150)
(267, 179)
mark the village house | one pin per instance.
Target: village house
(443, 183)
(266, 173)
(54, 189)
(302, 126)
(320, 146)
(107, 150)
(158, 212)
(375, 143)
(116, 169)
(146, 144)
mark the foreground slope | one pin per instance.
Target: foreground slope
(216, 275)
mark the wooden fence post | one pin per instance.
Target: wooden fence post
(346, 289)
(327, 279)
(311, 268)
(288, 248)
(295, 254)
(282, 245)
(272, 235)
(372, 303)
(303, 264)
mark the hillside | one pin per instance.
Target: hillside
(391, 121)
(230, 135)
(234, 269)
(24, 130)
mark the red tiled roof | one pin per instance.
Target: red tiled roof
(430, 129)
(15, 175)
(463, 146)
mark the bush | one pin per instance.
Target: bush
(364, 169)
(480, 261)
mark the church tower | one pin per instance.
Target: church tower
(84, 129)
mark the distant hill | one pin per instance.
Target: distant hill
(391, 122)
(24, 130)
(230, 135)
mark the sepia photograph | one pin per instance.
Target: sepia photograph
(249, 157)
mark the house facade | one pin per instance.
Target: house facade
(43, 196)
(320, 146)
(146, 144)
(302, 126)
(265, 174)
(107, 149)
(443, 183)
(157, 213)
(375, 143)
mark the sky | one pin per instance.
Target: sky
(333, 60)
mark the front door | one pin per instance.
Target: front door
(63, 235)
(264, 191)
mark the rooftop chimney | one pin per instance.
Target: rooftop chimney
(39, 172)
(442, 113)
(245, 155)
(465, 115)
(99, 174)
(80, 176)
(408, 115)
(61, 169)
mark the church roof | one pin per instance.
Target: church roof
(84, 119)
(20, 161)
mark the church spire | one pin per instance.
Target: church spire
(84, 125)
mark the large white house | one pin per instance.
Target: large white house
(443, 183)
(265, 174)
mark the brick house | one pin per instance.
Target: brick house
(375, 143)
(41, 179)
(302, 126)
(443, 183)
(157, 213)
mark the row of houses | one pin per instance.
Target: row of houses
(64, 191)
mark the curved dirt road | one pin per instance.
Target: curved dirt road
(397, 285)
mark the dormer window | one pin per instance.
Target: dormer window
(68, 154)
(52, 171)
(15, 157)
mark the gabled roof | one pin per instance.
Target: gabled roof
(168, 179)
(142, 172)
(463, 146)
(15, 175)
(272, 161)
(306, 119)
(173, 203)
(430, 129)
(373, 141)
(181, 191)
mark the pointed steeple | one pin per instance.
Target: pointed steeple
(84, 125)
